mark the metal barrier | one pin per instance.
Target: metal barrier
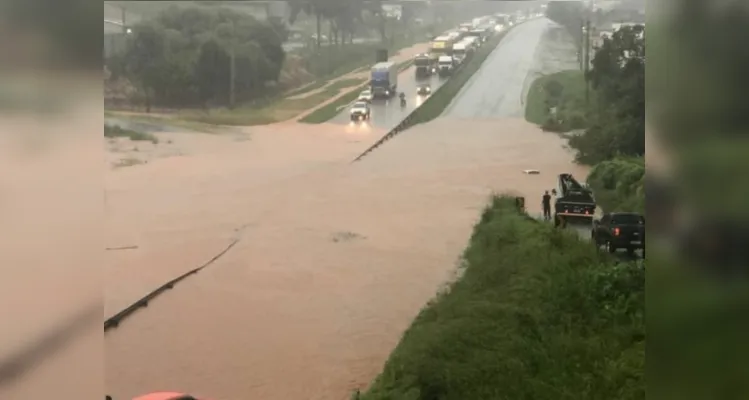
(114, 321)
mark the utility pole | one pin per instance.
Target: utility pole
(232, 67)
(581, 52)
(587, 59)
(124, 21)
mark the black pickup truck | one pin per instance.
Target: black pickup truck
(622, 230)
(575, 200)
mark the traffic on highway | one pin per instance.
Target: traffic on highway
(392, 95)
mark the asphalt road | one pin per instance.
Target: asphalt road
(497, 89)
(386, 114)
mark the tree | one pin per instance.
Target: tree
(195, 55)
(568, 13)
(210, 78)
(618, 118)
(146, 59)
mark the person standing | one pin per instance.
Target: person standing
(546, 203)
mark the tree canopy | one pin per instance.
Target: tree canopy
(617, 120)
(183, 56)
(569, 14)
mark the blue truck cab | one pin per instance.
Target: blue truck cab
(384, 79)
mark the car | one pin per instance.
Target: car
(424, 89)
(365, 95)
(620, 230)
(360, 111)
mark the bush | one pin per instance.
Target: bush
(113, 131)
(537, 314)
(619, 184)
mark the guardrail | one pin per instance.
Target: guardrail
(409, 120)
(114, 321)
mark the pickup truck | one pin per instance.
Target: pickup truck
(621, 230)
(575, 200)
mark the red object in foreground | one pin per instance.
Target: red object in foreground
(167, 396)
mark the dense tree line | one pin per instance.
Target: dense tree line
(613, 141)
(616, 121)
(569, 14)
(199, 56)
(205, 56)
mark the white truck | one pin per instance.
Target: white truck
(460, 52)
(445, 65)
(472, 42)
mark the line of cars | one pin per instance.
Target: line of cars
(383, 83)
(614, 230)
(446, 52)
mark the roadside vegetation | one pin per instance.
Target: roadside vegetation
(537, 314)
(556, 102)
(115, 131)
(619, 184)
(609, 127)
(179, 60)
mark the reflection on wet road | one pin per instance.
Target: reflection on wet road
(386, 114)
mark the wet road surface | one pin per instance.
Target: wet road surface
(335, 259)
(386, 114)
(497, 89)
(334, 262)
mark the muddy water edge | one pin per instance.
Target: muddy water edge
(334, 261)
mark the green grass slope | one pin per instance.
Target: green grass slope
(538, 314)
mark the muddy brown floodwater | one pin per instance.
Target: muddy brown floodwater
(334, 259)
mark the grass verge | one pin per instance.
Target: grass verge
(538, 313)
(275, 112)
(347, 83)
(330, 110)
(114, 131)
(307, 88)
(564, 92)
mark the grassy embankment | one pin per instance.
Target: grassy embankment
(564, 91)
(537, 314)
(619, 184)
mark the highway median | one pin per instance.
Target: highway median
(537, 313)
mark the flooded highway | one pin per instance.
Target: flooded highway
(334, 259)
